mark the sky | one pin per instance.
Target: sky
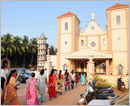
(32, 18)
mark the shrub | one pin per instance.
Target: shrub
(100, 81)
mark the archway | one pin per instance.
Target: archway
(6, 63)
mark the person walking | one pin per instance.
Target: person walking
(41, 83)
(52, 85)
(3, 77)
(67, 81)
(59, 83)
(36, 73)
(82, 78)
(72, 75)
(76, 78)
(10, 89)
(31, 91)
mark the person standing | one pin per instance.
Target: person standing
(10, 89)
(82, 78)
(72, 75)
(52, 85)
(41, 83)
(31, 91)
(3, 77)
(36, 74)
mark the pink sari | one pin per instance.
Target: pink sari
(31, 93)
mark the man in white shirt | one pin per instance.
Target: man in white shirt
(72, 75)
(3, 77)
(36, 74)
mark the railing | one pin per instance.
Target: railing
(101, 68)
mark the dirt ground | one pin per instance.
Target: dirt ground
(72, 97)
(67, 98)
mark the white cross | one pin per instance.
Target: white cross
(117, 1)
(69, 8)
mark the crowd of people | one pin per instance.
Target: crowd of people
(35, 86)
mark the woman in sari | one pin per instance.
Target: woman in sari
(52, 85)
(41, 83)
(11, 91)
(31, 91)
(83, 78)
(77, 78)
(67, 81)
(59, 84)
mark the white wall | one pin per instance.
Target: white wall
(113, 18)
(119, 45)
(93, 39)
(65, 47)
(63, 21)
(119, 58)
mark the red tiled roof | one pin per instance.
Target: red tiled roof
(67, 14)
(117, 6)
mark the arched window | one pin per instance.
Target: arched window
(118, 19)
(120, 69)
(82, 42)
(66, 26)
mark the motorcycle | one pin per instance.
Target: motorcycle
(91, 93)
(120, 84)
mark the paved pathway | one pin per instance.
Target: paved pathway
(67, 98)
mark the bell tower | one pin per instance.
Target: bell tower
(68, 34)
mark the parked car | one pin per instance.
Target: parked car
(24, 74)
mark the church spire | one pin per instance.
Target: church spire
(93, 16)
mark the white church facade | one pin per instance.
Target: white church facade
(94, 50)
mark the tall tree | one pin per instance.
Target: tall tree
(25, 47)
(33, 45)
(7, 44)
(17, 43)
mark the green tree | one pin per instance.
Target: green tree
(25, 48)
(17, 43)
(33, 45)
(8, 47)
(52, 50)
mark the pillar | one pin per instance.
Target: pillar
(90, 69)
(107, 67)
(69, 65)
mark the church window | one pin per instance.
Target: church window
(92, 27)
(65, 42)
(118, 20)
(82, 42)
(93, 44)
(120, 69)
(66, 26)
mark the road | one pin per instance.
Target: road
(71, 96)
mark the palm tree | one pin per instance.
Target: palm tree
(52, 50)
(25, 47)
(33, 45)
(17, 43)
(7, 44)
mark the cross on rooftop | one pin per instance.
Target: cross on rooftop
(69, 8)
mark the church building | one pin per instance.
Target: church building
(94, 50)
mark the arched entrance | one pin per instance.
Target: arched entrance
(82, 67)
(6, 63)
